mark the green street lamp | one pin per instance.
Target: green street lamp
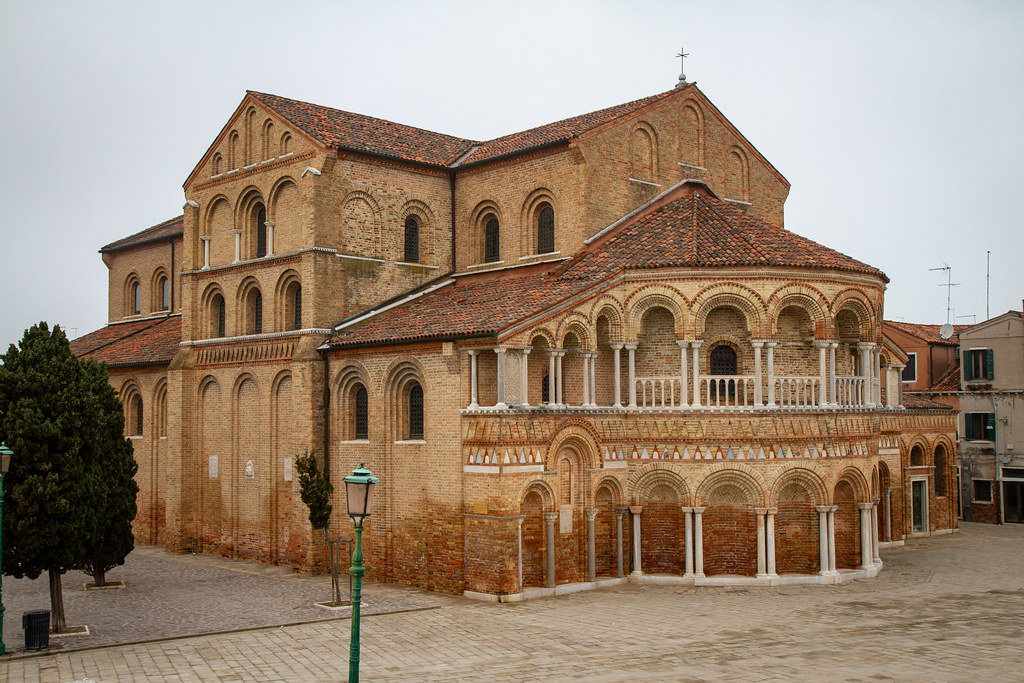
(359, 495)
(5, 464)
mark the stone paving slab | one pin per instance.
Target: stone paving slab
(944, 608)
(168, 595)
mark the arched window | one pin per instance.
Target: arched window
(940, 471)
(219, 317)
(723, 360)
(286, 142)
(916, 456)
(136, 290)
(135, 416)
(545, 389)
(297, 308)
(492, 239)
(164, 285)
(255, 312)
(218, 164)
(261, 231)
(415, 411)
(545, 229)
(361, 410)
(412, 240)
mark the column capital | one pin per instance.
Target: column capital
(636, 509)
(473, 352)
(526, 350)
(699, 510)
(591, 513)
(771, 343)
(822, 508)
(269, 224)
(761, 511)
(630, 346)
(833, 508)
(833, 345)
(236, 231)
(772, 511)
(757, 343)
(686, 510)
(696, 343)
(205, 238)
(865, 506)
(620, 510)
(683, 343)
(865, 346)
(616, 346)
(821, 343)
(500, 350)
(550, 517)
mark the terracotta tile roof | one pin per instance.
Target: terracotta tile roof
(696, 230)
(559, 131)
(917, 402)
(948, 382)
(173, 227)
(334, 128)
(700, 230)
(928, 333)
(151, 341)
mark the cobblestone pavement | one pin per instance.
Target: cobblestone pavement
(944, 608)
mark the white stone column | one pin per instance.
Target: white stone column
(472, 379)
(558, 372)
(550, 518)
(874, 533)
(684, 372)
(501, 405)
(586, 378)
(876, 375)
(695, 345)
(619, 512)
(524, 379)
(865, 371)
(760, 542)
(552, 400)
(206, 251)
(636, 510)
(866, 559)
(631, 350)
(832, 538)
(698, 542)
(832, 398)
(238, 244)
(616, 348)
(769, 537)
(822, 539)
(270, 237)
(771, 372)
(821, 345)
(591, 559)
(688, 524)
(593, 379)
(758, 379)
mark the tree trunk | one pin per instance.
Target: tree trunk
(99, 575)
(58, 625)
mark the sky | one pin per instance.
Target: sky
(898, 124)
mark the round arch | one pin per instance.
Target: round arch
(806, 478)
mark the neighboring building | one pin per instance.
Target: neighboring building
(581, 350)
(992, 419)
(932, 369)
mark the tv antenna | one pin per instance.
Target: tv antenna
(949, 287)
(974, 318)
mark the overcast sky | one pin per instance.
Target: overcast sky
(899, 124)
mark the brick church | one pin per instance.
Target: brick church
(586, 352)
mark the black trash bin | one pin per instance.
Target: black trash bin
(37, 629)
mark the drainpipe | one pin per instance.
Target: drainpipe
(999, 469)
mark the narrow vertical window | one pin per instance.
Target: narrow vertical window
(546, 230)
(261, 232)
(165, 294)
(362, 412)
(136, 298)
(545, 389)
(297, 309)
(412, 240)
(415, 412)
(492, 239)
(257, 313)
(137, 416)
(219, 311)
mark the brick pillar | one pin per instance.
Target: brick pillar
(619, 512)
(472, 379)
(616, 348)
(698, 542)
(636, 510)
(591, 567)
(688, 522)
(550, 518)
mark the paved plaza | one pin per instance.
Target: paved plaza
(944, 608)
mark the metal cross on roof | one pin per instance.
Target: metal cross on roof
(682, 60)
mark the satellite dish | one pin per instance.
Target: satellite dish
(946, 331)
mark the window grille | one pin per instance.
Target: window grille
(545, 389)
(362, 430)
(492, 240)
(546, 230)
(257, 313)
(219, 307)
(415, 412)
(412, 240)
